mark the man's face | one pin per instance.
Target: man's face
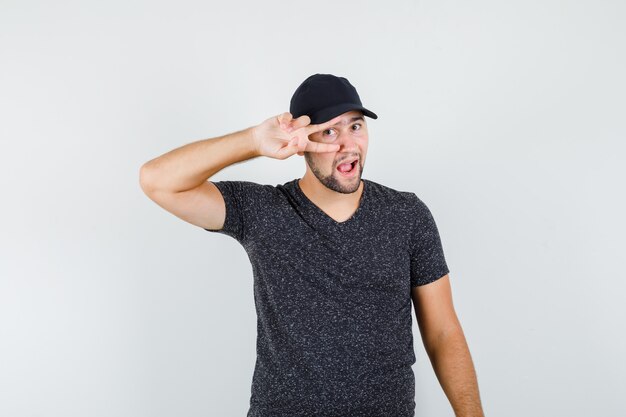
(350, 133)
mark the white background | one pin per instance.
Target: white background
(505, 117)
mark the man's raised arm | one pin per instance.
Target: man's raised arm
(177, 180)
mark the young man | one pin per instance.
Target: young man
(338, 261)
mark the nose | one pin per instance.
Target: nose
(348, 143)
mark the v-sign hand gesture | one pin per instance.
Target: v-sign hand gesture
(281, 136)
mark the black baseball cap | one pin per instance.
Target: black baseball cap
(325, 96)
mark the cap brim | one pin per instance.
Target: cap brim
(329, 113)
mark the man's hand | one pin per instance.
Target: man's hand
(281, 136)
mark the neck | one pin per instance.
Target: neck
(329, 199)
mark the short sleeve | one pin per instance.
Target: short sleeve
(428, 262)
(239, 199)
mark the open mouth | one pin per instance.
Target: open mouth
(348, 168)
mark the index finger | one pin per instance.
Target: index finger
(319, 127)
(321, 147)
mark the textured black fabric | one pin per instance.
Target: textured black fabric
(324, 96)
(333, 299)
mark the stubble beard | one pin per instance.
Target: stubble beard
(333, 181)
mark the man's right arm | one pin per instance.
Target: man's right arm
(178, 180)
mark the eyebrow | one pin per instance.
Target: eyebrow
(354, 119)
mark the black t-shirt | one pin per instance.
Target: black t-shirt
(333, 299)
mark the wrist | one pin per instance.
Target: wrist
(254, 140)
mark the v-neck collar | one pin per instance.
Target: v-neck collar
(325, 218)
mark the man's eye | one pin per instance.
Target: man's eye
(358, 127)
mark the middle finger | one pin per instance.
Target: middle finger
(319, 127)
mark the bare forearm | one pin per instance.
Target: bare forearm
(453, 366)
(190, 165)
